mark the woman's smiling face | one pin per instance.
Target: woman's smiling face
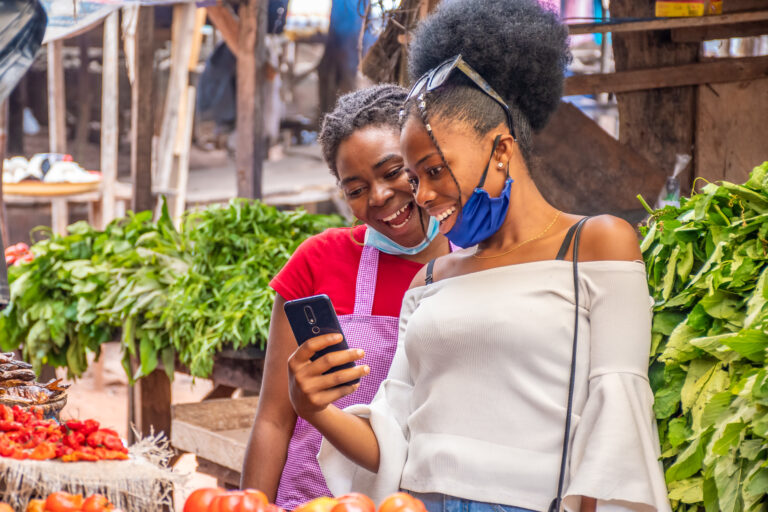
(376, 186)
(467, 155)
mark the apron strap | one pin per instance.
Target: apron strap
(366, 281)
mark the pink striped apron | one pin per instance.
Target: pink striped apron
(302, 480)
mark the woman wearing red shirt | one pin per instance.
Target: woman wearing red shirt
(365, 271)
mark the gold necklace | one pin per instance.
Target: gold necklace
(557, 215)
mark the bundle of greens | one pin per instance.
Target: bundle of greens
(707, 265)
(166, 294)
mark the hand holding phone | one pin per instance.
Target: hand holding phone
(315, 316)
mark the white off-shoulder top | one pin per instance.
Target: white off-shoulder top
(475, 401)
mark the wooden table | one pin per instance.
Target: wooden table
(60, 207)
(216, 431)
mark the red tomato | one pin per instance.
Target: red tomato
(271, 507)
(21, 247)
(258, 494)
(200, 500)
(63, 502)
(96, 503)
(401, 502)
(4, 507)
(229, 502)
(251, 502)
(354, 502)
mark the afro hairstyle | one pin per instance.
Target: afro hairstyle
(518, 46)
(378, 105)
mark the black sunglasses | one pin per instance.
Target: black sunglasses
(438, 75)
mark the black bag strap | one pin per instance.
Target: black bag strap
(567, 242)
(430, 269)
(576, 228)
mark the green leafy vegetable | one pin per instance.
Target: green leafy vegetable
(172, 293)
(707, 265)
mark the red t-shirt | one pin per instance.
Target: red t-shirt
(327, 263)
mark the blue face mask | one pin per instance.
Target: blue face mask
(482, 215)
(387, 245)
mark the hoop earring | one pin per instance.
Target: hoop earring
(354, 225)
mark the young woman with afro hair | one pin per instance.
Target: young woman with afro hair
(365, 271)
(492, 403)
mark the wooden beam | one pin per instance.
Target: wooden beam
(249, 151)
(175, 99)
(716, 71)
(699, 34)
(153, 394)
(659, 123)
(109, 115)
(4, 235)
(642, 25)
(224, 20)
(142, 111)
(57, 114)
(84, 109)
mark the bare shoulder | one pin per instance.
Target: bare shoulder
(606, 237)
(442, 268)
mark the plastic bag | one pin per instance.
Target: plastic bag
(670, 196)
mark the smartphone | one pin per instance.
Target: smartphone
(314, 316)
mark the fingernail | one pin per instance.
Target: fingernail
(359, 353)
(367, 369)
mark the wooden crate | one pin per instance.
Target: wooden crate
(216, 431)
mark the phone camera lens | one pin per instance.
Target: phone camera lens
(310, 315)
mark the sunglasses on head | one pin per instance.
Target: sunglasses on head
(438, 75)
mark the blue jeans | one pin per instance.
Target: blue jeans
(442, 503)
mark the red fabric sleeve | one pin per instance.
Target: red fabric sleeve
(296, 279)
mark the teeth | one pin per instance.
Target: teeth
(398, 226)
(394, 215)
(446, 214)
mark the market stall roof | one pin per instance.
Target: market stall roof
(68, 18)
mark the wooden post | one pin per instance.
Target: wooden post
(181, 48)
(659, 123)
(82, 127)
(109, 115)
(57, 114)
(142, 111)
(4, 235)
(249, 152)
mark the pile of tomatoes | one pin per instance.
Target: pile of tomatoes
(24, 434)
(18, 253)
(219, 500)
(64, 502)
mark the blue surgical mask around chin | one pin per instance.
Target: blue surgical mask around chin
(482, 215)
(389, 246)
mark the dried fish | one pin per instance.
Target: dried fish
(18, 375)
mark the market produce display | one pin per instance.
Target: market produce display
(18, 386)
(167, 294)
(25, 434)
(18, 254)
(249, 500)
(65, 502)
(707, 264)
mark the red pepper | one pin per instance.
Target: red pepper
(96, 439)
(6, 414)
(74, 440)
(43, 451)
(10, 426)
(89, 427)
(75, 425)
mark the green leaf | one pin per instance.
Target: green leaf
(730, 436)
(728, 478)
(679, 348)
(721, 305)
(690, 490)
(751, 344)
(688, 463)
(147, 355)
(678, 432)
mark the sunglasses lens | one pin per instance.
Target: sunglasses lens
(418, 86)
(440, 75)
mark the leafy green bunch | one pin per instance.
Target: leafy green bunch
(167, 294)
(225, 298)
(707, 264)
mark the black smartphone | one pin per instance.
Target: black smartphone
(314, 316)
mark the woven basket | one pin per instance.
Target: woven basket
(51, 409)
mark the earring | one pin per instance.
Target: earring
(500, 165)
